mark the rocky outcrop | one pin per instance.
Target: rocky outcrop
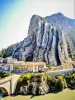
(44, 43)
(36, 86)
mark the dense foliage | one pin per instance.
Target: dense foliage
(8, 51)
(5, 74)
(33, 83)
(70, 79)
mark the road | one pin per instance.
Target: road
(52, 73)
(61, 72)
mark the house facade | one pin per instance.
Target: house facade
(21, 66)
(1, 59)
(10, 60)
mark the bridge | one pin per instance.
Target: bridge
(8, 84)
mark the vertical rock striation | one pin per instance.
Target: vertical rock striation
(44, 43)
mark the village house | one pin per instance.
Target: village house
(10, 60)
(21, 66)
(7, 67)
(1, 60)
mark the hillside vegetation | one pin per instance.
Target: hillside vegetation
(37, 84)
(8, 51)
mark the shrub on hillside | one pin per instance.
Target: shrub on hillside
(52, 83)
(36, 84)
(70, 79)
(5, 74)
(61, 83)
(32, 84)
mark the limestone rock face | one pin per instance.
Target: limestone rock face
(37, 86)
(44, 43)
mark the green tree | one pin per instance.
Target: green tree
(70, 79)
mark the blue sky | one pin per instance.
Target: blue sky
(15, 16)
(9, 12)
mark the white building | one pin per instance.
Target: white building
(1, 59)
(21, 66)
(8, 67)
(10, 60)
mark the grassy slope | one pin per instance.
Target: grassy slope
(64, 95)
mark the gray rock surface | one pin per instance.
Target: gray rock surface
(44, 43)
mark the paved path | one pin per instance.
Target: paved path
(61, 72)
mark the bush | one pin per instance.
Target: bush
(41, 83)
(61, 83)
(33, 83)
(5, 74)
(70, 79)
(52, 83)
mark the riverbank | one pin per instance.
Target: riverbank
(66, 94)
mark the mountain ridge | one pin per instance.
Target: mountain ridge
(45, 41)
(49, 39)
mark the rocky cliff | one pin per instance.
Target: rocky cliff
(45, 42)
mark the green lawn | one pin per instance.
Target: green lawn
(64, 95)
